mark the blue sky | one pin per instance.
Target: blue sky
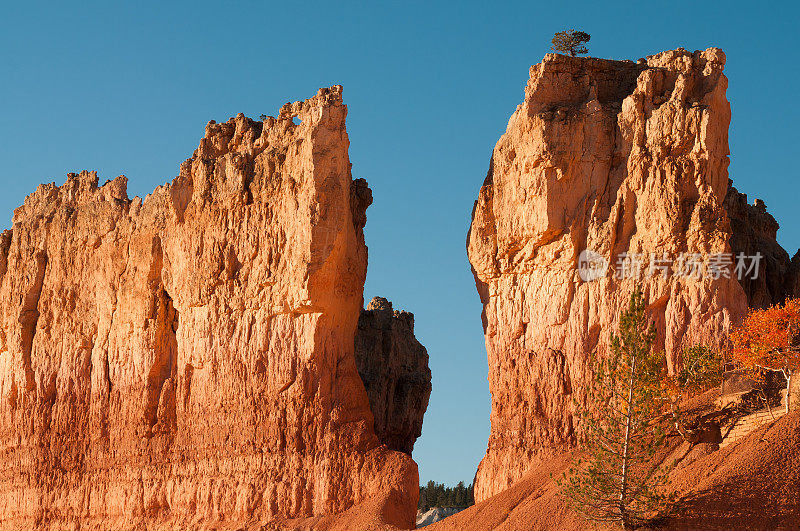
(127, 88)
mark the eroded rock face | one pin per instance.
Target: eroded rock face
(616, 157)
(394, 368)
(754, 230)
(188, 359)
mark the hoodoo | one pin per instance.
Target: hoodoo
(610, 174)
(189, 358)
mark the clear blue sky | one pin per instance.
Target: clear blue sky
(127, 89)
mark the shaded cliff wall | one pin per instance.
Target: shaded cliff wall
(394, 368)
(754, 231)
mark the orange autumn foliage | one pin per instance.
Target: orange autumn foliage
(769, 338)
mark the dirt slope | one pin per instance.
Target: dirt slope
(752, 484)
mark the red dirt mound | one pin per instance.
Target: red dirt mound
(751, 484)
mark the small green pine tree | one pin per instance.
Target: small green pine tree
(701, 368)
(618, 480)
(461, 495)
(571, 42)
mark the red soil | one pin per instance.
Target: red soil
(751, 484)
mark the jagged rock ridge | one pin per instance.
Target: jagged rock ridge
(623, 159)
(394, 368)
(187, 359)
(754, 230)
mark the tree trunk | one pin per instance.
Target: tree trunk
(788, 372)
(788, 388)
(766, 401)
(623, 491)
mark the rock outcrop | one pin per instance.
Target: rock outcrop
(628, 161)
(754, 231)
(187, 359)
(435, 514)
(394, 368)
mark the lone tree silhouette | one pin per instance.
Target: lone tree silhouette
(571, 42)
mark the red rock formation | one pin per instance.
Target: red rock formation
(188, 359)
(615, 157)
(394, 368)
(754, 230)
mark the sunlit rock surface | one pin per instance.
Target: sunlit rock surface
(622, 159)
(188, 359)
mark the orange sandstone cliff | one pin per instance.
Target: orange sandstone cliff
(622, 159)
(188, 359)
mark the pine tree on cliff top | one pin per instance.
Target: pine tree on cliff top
(617, 481)
(571, 42)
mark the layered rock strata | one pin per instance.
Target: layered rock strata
(394, 368)
(628, 162)
(187, 359)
